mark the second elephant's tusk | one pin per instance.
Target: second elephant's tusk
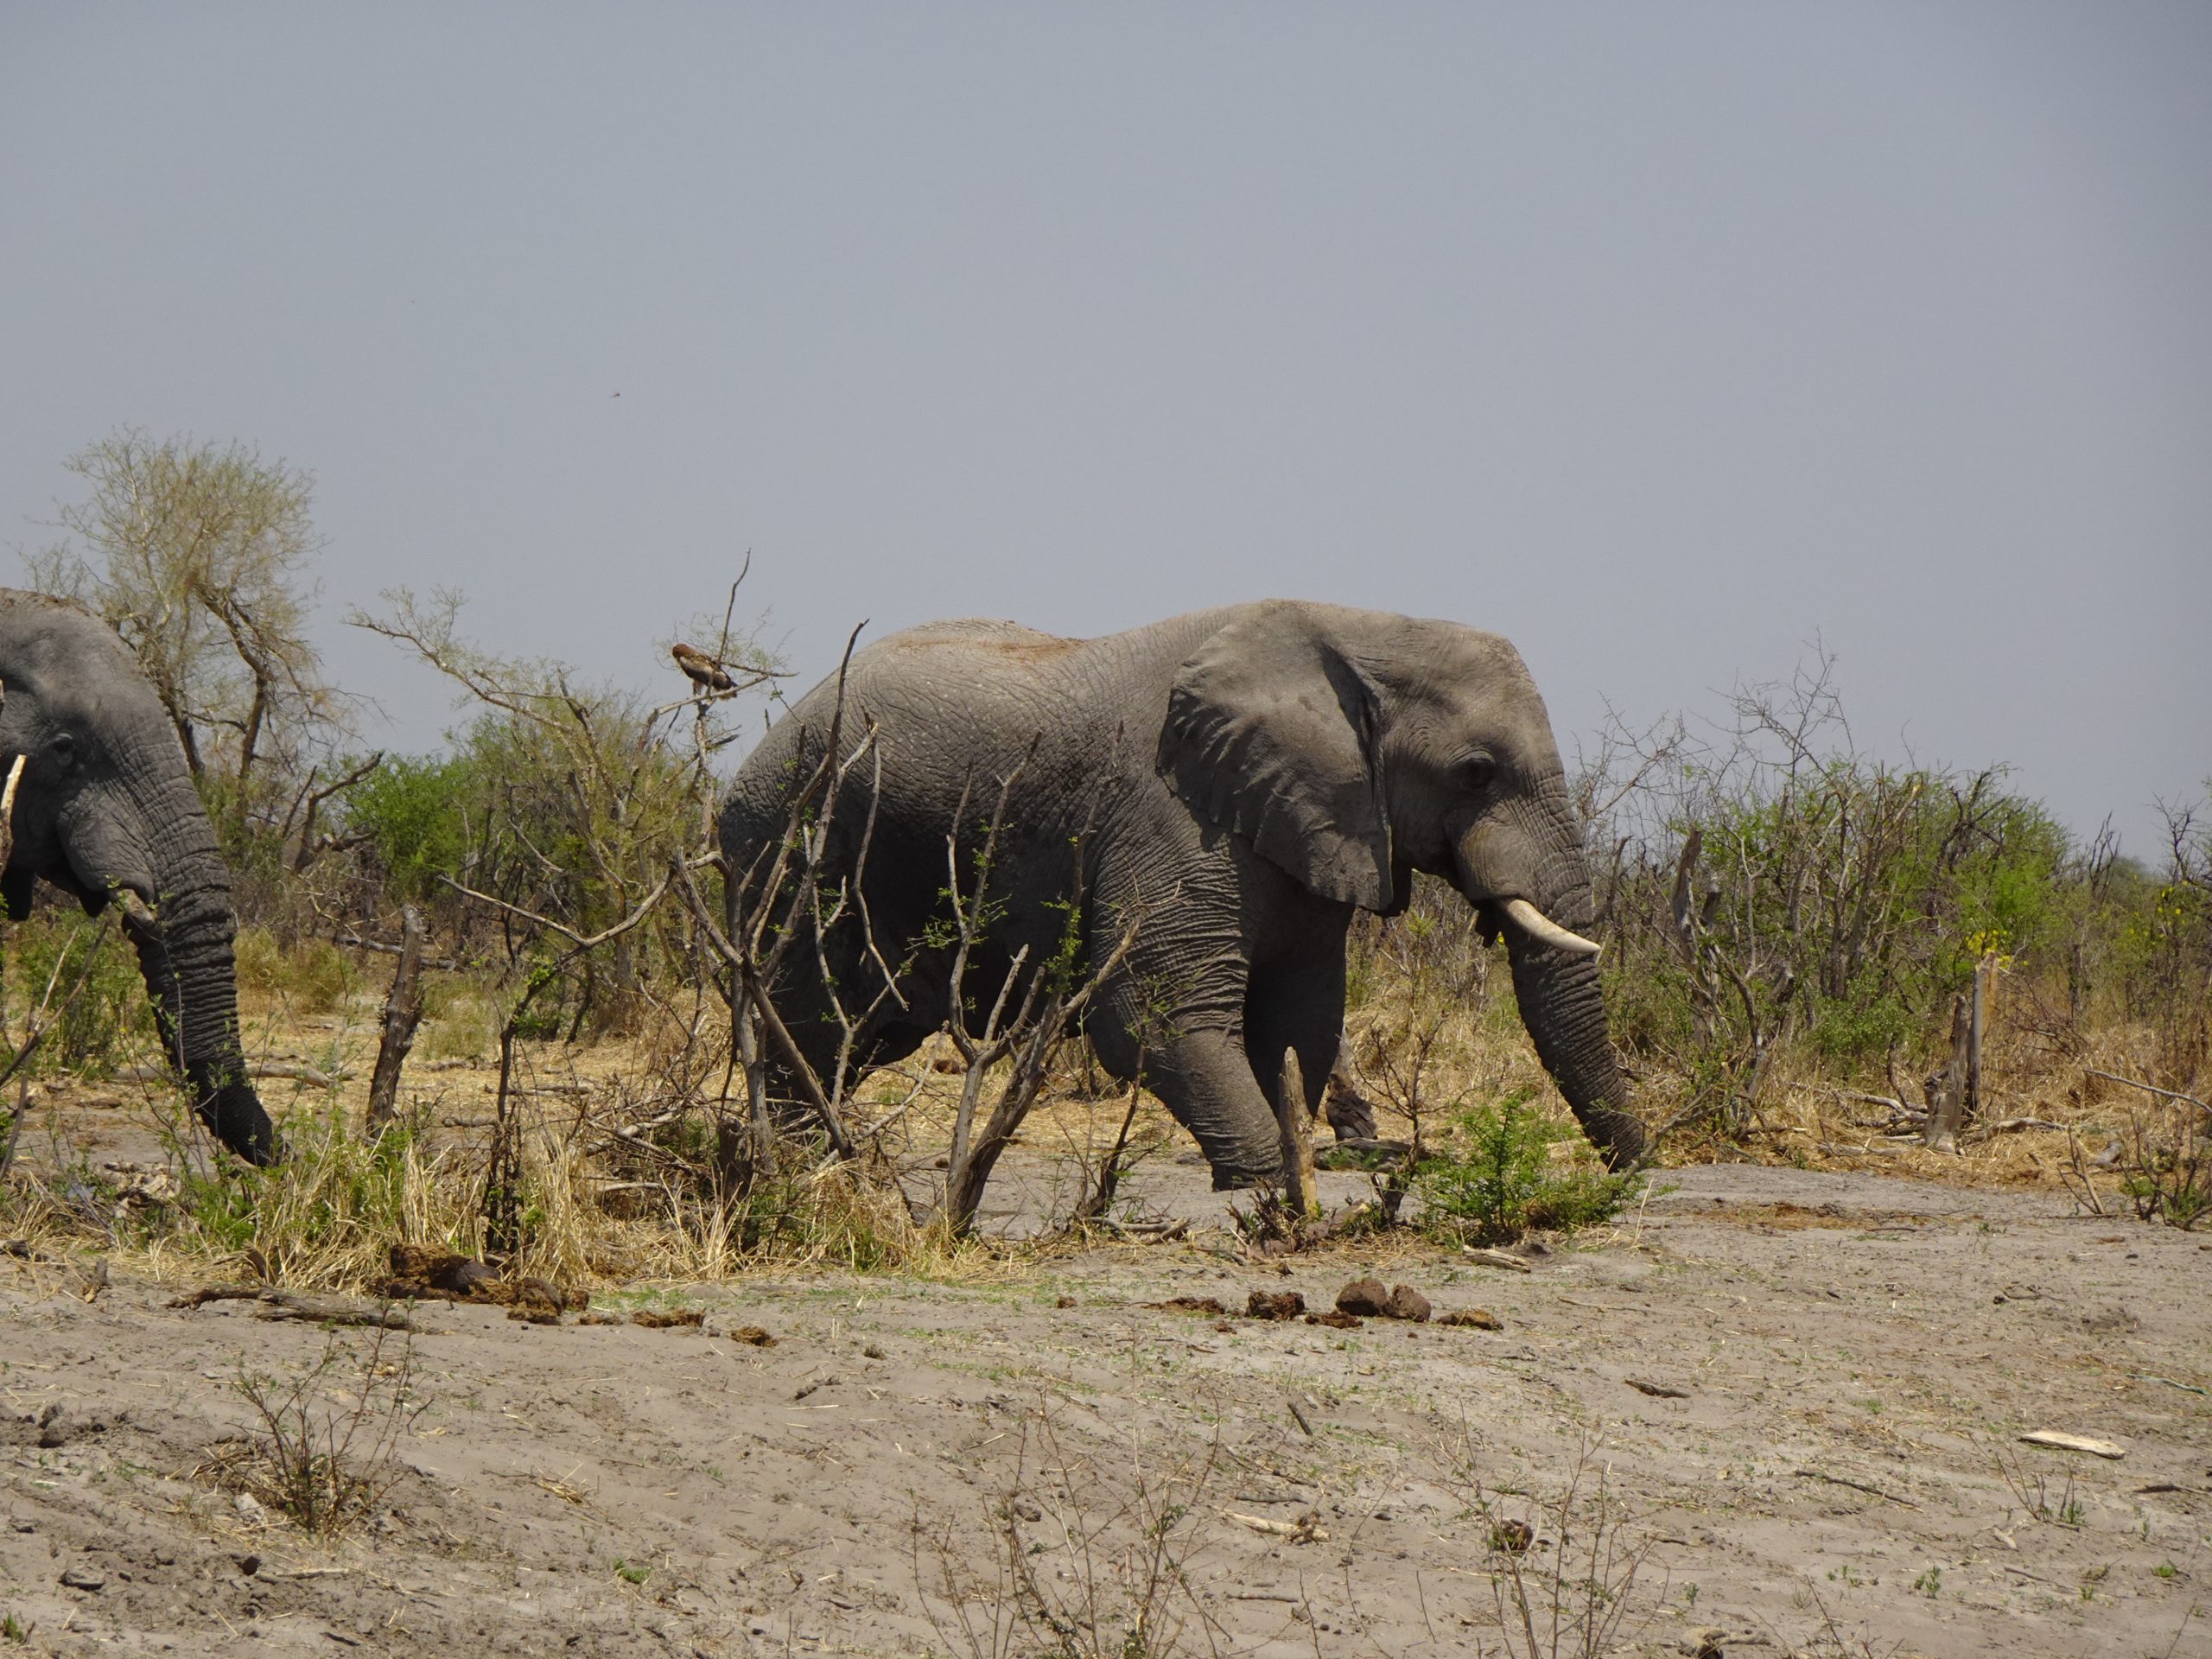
(1537, 926)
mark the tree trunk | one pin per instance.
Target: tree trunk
(402, 1011)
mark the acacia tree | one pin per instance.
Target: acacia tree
(198, 556)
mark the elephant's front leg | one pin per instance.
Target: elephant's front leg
(1297, 1002)
(1192, 1057)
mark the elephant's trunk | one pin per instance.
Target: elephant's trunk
(1528, 877)
(1565, 1011)
(184, 944)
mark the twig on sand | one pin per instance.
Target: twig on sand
(1855, 1485)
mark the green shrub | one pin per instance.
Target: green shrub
(97, 1025)
(1499, 1180)
(415, 811)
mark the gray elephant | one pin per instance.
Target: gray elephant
(1247, 778)
(105, 811)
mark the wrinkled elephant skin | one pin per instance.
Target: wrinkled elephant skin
(1239, 780)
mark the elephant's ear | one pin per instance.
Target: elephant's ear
(1271, 732)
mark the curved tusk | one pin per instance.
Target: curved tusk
(1537, 926)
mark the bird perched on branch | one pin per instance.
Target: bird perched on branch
(704, 671)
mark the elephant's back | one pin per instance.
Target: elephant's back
(948, 702)
(987, 681)
(993, 636)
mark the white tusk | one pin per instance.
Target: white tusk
(1537, 926)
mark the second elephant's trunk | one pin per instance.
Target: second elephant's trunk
(184, 947)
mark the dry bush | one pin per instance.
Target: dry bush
(322, 1451)
(1075, 1570)
(1563, 1568)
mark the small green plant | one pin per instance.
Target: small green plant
(2166, 1570)
(631, 1571)
(1499, 1178)
(11, 1630)
(2033, 1493)
(1930, 1583)
(100, 1013)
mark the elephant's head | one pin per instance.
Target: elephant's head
(1352, 747)
(106, 810)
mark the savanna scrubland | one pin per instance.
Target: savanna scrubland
(1927, 1070)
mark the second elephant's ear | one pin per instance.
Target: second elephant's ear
(1271, 732)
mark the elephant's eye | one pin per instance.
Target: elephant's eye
(1479, 772)
(64, 749)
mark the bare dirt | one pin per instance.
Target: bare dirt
(1802, 1392)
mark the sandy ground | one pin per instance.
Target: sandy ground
(1844, 1364)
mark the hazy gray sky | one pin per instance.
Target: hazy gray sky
(1655, 337)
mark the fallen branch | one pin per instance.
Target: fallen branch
(296, 1304)
(1151, 1232)
(313, 1076)
(2063, 1442)
(1490, 1258)
(445, 964)
(1304, 1531)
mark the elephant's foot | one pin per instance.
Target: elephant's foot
(1235, 1179)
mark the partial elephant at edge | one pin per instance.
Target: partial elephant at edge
(105, 811)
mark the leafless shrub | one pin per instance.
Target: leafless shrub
(1098, 1176)
(2165, 1162)
(1562, 1570)
(798, 893)
(1030, 1020)
(1077, 1571)
(2032, 1490)
(323, 1452)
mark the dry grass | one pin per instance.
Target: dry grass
(613, 1148)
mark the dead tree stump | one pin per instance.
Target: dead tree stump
(403, 1012)
(1295, 1121)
